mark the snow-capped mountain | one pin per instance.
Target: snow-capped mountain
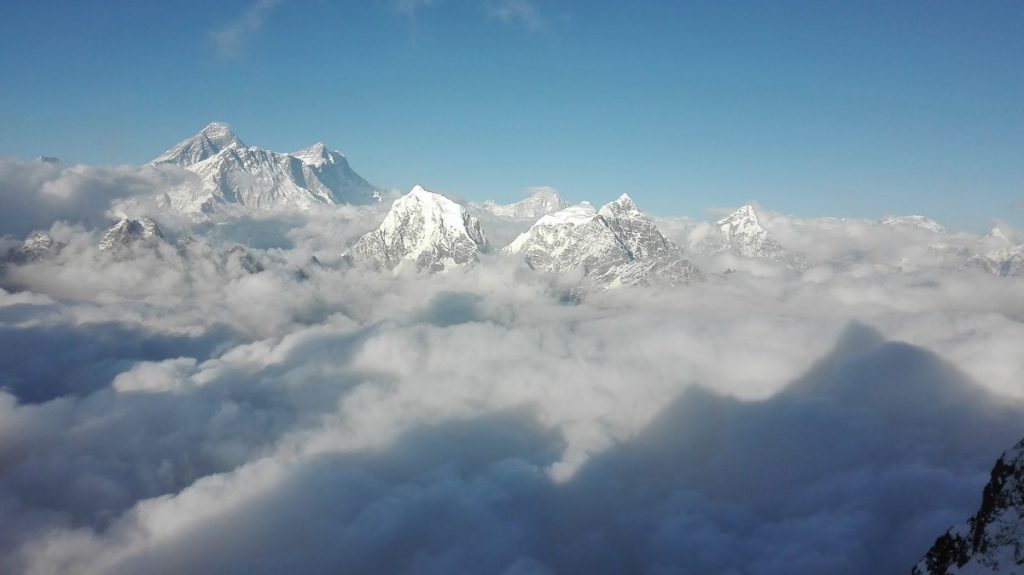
(541, 202)
(128, 231)
(741, 233)
(36, 247)
(617, 245)
(915, 221)
(425, 230)
(995, 237)
(999, 256)
(1005, 262)
(232, 173)
(209, 142)
(992, 541)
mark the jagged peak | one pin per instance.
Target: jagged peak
(206, 143)
(317, 155)
(623, 204)
(744, 213)
(424, 229)
(128, 230)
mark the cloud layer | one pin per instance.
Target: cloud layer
(171, 411)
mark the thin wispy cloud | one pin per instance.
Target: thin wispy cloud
(410, 7)
(232, 39)
(515, 12)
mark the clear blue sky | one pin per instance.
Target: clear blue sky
(816, 107)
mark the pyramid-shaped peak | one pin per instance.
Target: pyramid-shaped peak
(423, 229)
(219, 135)
(217, 130)
(206, 143)
(622, 206)
(996, 234)
(318, 154)
(744, 213)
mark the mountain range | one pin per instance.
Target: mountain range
(616, 245)
(608, 247)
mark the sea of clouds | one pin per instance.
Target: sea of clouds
(169, 413)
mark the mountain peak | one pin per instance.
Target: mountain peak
(995, 235)
(128, 231)
(232, 173)
(745, 213)
(542, 200)
(205, 144)
(915, 221)
(621, 247)
(621, 206)
(218, 131)
(318, 154)
(37, 246)
(424, 229)
(742, 233)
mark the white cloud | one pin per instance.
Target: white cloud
(515, 12)
(233, 38)
(410, 7)
(168, 412)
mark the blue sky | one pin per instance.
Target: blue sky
(810, 108)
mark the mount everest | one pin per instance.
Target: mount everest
(229, 172)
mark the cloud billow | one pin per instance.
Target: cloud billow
(175, 411)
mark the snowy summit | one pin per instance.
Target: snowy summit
(617, 245)
(232, 173)
(542, 201)
(425, 230)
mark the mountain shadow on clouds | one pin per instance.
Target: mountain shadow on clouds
(838, 473)
(457, 497)
(852, 468)
(44, 362)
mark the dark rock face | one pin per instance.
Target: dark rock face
(992, 541)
